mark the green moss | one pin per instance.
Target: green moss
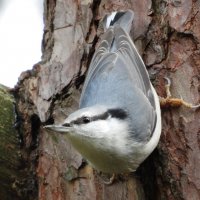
(9, 144)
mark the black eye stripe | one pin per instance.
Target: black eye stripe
(118, 113)
(100, 117)
(85, 119)
(115, 113)
(66, 124)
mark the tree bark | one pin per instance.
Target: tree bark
(167, 34)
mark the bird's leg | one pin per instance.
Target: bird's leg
(167, 87)
(174, 102)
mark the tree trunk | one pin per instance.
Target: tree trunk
(167, 34)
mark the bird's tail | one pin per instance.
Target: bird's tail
(121, 18)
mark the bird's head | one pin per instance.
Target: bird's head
(95, 122)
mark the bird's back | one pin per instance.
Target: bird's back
(117, 77)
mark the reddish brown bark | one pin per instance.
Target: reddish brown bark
(167, 35)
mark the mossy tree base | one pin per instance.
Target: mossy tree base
(9, 148)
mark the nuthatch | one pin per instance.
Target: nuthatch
(119, 121)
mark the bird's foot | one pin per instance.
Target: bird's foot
(110, 180)
(174, 102)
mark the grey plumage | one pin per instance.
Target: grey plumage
(117, 77)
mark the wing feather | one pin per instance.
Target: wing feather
(117, 77)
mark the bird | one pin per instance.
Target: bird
(118, 123)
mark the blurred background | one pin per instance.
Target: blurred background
(21, 29)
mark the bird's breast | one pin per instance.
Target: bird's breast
(108, 158)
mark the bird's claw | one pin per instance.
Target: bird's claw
(174, 102)
(110, 181)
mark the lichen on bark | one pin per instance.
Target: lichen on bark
(9, 146)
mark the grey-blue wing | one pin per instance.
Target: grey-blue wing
(117, 77)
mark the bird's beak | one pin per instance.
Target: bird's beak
(58, 128)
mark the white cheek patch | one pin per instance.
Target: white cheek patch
(96, 129)
(108, 128)
(113, 132)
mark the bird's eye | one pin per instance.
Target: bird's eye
(66, 124)
(86, 120)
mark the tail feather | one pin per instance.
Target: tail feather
(121, 18)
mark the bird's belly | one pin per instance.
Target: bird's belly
(105, 159)
(111, 162)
